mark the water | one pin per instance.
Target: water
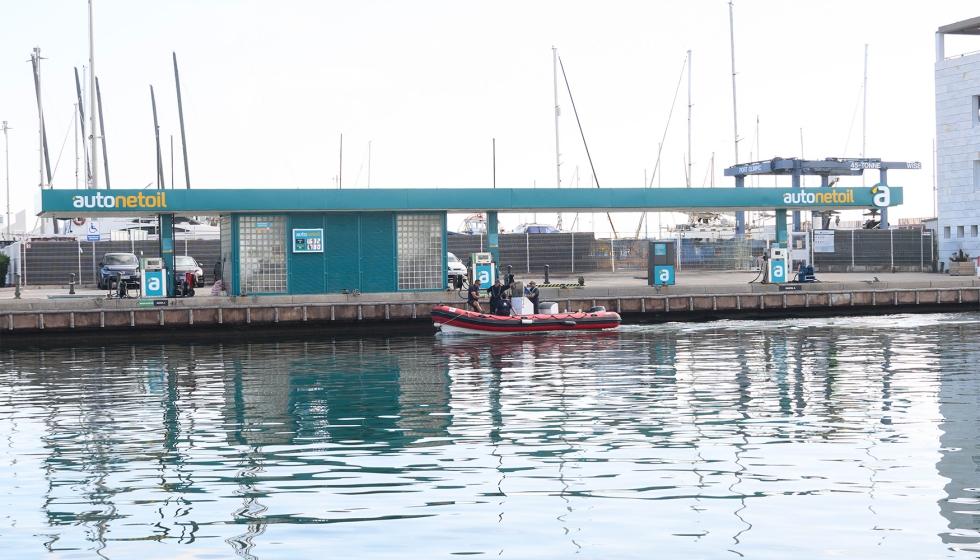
(812, 438)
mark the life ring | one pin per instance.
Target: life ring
(78, 221)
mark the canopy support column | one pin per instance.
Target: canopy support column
(492, 229)
(740, 215)
(781, 236)
(167, 248)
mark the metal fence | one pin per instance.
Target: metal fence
(562, 252)
(854, 250)
(874, 250)
(50, 262)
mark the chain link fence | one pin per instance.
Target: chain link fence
(51, 262)
(876, 250)
(851, 250)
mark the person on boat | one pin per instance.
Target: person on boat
(473, 297)
(497, 293)
(532, 294)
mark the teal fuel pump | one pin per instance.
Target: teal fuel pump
(153, 278)
(660, 264)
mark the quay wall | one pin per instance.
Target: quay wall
(57, 319)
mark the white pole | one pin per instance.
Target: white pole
(554, 67)
(731, 25)
(6, 151)
(864, 111)
(75, 126)
(689, 161)
(91, 93)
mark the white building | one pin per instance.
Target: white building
(958, 143)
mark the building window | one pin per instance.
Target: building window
(973, 231)
(262, 254)
(976, 175)
(946, 232)
(420, 255)
(959, 232)
(976, 110)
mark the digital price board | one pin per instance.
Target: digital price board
(307, 240)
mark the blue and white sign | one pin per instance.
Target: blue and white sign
(307, 240)
(777, 265)
(154, 285)
(663, 275)
(92, 232)
(484, 273)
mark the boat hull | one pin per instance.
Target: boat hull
(451, 320)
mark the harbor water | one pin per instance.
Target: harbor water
(845, 437)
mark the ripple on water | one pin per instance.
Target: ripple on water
(848, 436)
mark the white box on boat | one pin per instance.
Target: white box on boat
(521, 306)
(548, 308)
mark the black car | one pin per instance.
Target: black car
(185, 264)
(114, 265)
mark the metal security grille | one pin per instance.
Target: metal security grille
(262, 254)
(420, 258)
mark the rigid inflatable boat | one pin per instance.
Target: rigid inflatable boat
(460, 321)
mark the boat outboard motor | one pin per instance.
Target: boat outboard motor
(597, 309)
(503, 308)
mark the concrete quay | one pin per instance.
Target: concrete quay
(49, 313)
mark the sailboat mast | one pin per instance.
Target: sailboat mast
(81, 119)
(183, 137)
(739, 181)
(731, 27)
(156, 132)
(689, 162)
(92, 97)
(45, 161)
(554, 68)
(864, 110)
(105, 156)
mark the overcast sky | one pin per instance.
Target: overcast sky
(269, 87)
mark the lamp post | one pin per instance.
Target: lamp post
(6, 155)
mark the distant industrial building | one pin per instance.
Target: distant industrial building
(958, 144)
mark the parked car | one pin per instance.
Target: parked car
(536, 228)
(455, 267)
(185, 264)
(118, 264)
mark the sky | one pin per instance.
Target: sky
(425, 90)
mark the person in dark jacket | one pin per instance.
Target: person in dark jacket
(473, 296)
(496, 293)
(532, 294)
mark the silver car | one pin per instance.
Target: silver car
(185, 264)
(455, 267)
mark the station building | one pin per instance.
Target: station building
(958, 144)
(318, 241)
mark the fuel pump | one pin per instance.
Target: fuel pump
(483, 268)
(153, 278)
(777, 265)
(660, 265)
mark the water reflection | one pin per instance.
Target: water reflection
(696, 439)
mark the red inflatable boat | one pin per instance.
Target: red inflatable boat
(460, 321)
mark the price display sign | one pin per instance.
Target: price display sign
(307, 240)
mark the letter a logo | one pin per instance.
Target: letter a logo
(882, 196)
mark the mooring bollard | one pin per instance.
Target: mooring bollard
(71, 283)
(16, 285)
(546, 267)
